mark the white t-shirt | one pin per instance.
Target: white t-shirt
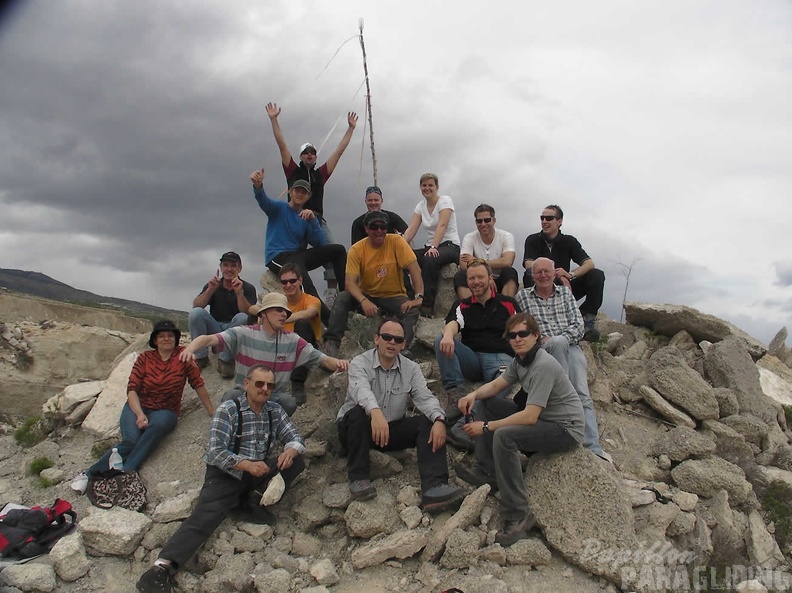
(502, 241)
(430, 221)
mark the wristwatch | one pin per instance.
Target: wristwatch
(485, 427)
(572, 276)
(419, 295)
(439, 419)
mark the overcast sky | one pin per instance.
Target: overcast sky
(128, 131)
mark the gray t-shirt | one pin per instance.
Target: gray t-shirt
(548, 387)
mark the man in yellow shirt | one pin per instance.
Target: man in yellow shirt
(375, 281)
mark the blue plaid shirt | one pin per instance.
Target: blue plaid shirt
(257, 434)
(557, 316)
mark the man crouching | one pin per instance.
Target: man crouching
(239, 466)
(375, 415)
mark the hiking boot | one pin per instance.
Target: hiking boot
(476, 476)
(441, 498)
(427, 311)
(362, 490)
(202, 362)
(515, 530)
(80, 483)
(331, 348)
(226, 369)
(591, 333)
(298, 392)
(256, 514)
(452, 412)
(157, 579)
(458, 438)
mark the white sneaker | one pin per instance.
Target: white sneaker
(80, 483)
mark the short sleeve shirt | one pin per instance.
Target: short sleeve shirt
(381, 269)
(502, 241)
(429, 221)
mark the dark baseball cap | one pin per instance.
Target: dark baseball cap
(373, 189)
(375, 216)
(231, 256)
(303, 184)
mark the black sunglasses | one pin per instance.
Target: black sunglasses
(308, 151)
(484, 220)
(523, 333)
(289, 281)
(548, 218)
(260, 384)
(377, 227)
(392, 338)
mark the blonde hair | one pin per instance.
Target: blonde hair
(426, 176)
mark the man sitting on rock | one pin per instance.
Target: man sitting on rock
(229, 298)
(495, 246)
(482, 352)
(374, 201)
(240, 463)
(375, 282)
(561, 324)
(375, 415)
(269, 345)
(585, 281)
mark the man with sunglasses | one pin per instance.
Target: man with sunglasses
(375, 282)
(584, 281)
(495, 246)
(267, 344)
(561, 324)
(374, 201)
(374, 415)
(240, 463)
(316, 177)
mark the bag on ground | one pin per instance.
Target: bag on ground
(25, 533)
(117, 488)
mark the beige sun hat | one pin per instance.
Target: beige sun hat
(271, 300)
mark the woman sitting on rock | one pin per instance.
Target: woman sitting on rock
(436, 214)
(154, 395)
(546, 416)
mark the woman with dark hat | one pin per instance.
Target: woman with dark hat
(154, 394)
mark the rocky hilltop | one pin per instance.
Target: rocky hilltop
(691, 410)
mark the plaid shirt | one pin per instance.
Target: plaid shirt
(557, 315)
(257, 434)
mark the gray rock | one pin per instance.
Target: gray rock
(306, 545)
(706, 477)
(778, 343)
(337, 496)
(461, 550)
(670, 375)
(652, 521)
(177, 508)
(115, 532)
(750, 427)
(752, 586)
(315, 448)
(637, 351)
(262, 532)
(244, 542)
(408, 496)
(656, 401)
(233, 572)
(729, 365)
(53, 474)
(103, 419)
(681, 524)
(325, 572)
(77, 394)
(762, 548)
(319, 589)
(682, 442)
(411, 516)
(275, 581)
(68, 557)
(775, 378)
(158, 535)
(311, 513)
(32, 576)
(402, 544)
(528, 552)
(727, 401)
(494, 553)
(467, 515)
(684, 342)
(588, 525)
(731, 446)
(686, 501)
(367, 519)
(383, 465)
(79, 413)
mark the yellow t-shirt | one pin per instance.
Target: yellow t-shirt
(381, 270)
(306, 302)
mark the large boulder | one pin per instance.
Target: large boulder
(670, 375)
(103, 419)
(706, 477)
(115, 532)
(775, 378)
(670, 319)
(682, 442)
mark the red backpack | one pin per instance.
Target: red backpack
(25, 533)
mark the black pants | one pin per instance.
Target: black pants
(220, 494)
(354, 432)
(590, 285)
(430, 268)
(303, 329)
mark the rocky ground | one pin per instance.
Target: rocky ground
(686, 417)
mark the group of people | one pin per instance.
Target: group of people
(495, 332)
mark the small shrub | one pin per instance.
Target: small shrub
(39, 464)
(788, 415)
(100, 448)
(44, 482)
(31, 432)
(777, 507)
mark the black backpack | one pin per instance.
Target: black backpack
(25, 533)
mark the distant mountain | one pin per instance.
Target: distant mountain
(41, 285)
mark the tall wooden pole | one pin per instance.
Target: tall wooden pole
(368, 101)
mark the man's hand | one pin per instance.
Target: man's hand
(257, 177)
(380, 431)
(213, 284)
(255, 468)
(407, 305)
(187, 355)
(432, 252)
(369, 308)
(447, 346)
(237, 286)
(473, 429)
(273, 110)
(466, 258)
(307, 214)
(286, 458)
(342, 365)
(438, 436)
(465, 404)
(351, 119)
(561, 273)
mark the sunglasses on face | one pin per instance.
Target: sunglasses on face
(261, 384)
(392, 338)
(308, 151)
(523, 333)
(377, 227)
(484, 220)
(547, 218)
(286, 281)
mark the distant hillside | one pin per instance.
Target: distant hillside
(41, 285)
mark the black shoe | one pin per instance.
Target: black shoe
(362, 489)
(460, 442)
(476, 476)
(156, 579)
(515, 530)
(427, 311)
(441, 498)
(257, 514)
(298, 392)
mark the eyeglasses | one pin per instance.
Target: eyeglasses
(486, 220)
(523, 333)
(261, 384)
(286, 281)
(392, 338)
(547, 218)
(377, 227)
